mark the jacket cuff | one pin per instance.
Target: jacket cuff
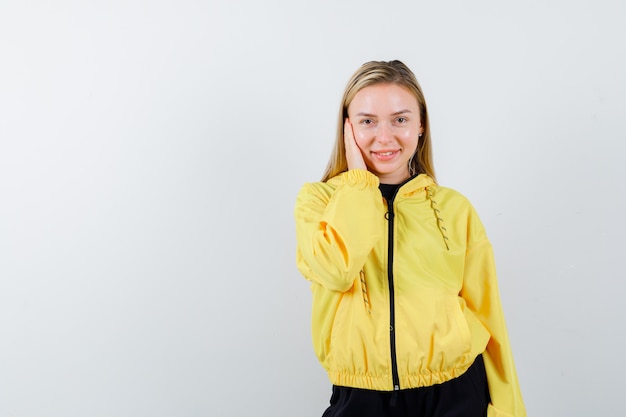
(359, 177)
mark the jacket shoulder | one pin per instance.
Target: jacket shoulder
(447, 195)
(456, 207)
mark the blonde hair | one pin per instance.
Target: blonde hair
(381, 72)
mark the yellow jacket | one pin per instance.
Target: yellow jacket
(418, 320)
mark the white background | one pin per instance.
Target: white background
(151, 152)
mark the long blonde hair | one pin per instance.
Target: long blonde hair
(381, 72)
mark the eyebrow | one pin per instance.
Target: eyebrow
(393, 114)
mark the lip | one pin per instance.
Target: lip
(386, 154)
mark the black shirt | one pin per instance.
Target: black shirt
(389, 191)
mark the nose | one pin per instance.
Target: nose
(384, 133)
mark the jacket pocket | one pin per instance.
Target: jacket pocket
(494, 412)
(436, 336)
(462, 328)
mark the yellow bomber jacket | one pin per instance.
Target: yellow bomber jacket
(403, 297)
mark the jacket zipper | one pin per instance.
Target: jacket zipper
(392, 313)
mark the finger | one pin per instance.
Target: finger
(348, 134)
(354, 158)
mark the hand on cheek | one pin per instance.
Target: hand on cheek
(353, 152)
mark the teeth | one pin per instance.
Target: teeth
(385, 153)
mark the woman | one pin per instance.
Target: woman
(407, 317)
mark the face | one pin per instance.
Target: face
(386, 123)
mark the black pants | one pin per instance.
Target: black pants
(465, 396)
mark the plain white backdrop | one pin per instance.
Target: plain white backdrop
(151, 152)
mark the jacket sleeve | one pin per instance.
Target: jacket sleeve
(337, 229)
(480, 292)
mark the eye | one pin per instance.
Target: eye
(401, 120)
(367, 122)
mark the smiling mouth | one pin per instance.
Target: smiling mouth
(386, 153)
